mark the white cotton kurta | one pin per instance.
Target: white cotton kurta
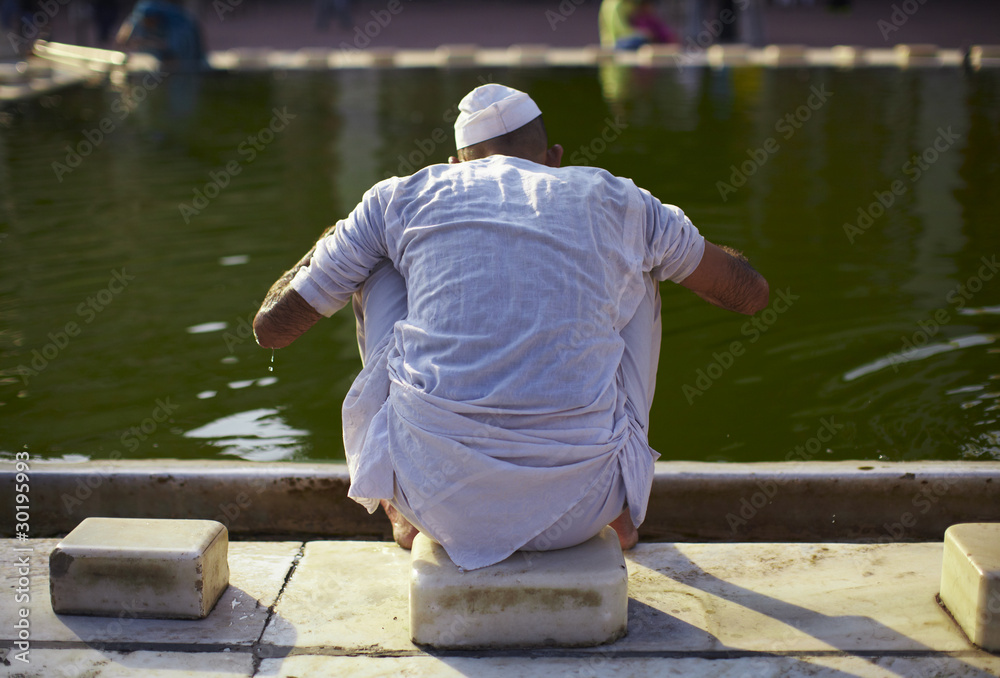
(505, 395)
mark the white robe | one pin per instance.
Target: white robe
(498, 400)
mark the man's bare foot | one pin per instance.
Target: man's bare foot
(402, 530)
(628, 536)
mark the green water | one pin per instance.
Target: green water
(123, 315)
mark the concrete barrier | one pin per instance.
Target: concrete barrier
(516, 56)
(690, 501)
(846, 501)
(670, 56)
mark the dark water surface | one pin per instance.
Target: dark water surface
(131, 261)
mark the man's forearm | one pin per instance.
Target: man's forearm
(747, 290)
(726, 279)
(736, 254)
(278, 288)
(285, 315)
(281, 284)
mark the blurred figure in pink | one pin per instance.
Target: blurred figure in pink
(629, 24)
(647, 21)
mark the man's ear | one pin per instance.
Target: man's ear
(553, 156)
(452, 160)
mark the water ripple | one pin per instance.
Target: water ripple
(919, 354)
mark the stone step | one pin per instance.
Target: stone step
(721, 610)
(570, 597)
(156, 568)
(970, 581)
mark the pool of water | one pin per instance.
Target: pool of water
(140, 229)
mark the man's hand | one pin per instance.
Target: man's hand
(725, 278)
(285, 315)
(284, 320)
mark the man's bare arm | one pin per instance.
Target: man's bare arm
(285, 315)
(726, 279)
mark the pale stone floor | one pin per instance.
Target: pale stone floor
(339, 608)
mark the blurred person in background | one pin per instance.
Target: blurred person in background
(105, 16)
(21, 19)
(328, 9)
(167, 31)
(629, 24)
(648, 21)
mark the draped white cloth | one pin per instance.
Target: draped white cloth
(498, 400)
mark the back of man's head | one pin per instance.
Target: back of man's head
(494, 119)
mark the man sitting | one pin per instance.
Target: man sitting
(508, 317)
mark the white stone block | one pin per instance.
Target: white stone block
(970, 581)
(566, 598)
(169, 569)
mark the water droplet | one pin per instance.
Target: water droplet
(270, 367)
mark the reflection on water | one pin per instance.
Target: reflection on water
(989, 310)
(919, 353)
(234, 260)
(257, 435)
(871, 209)
(207, 327)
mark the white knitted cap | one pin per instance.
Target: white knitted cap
(491, 111)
